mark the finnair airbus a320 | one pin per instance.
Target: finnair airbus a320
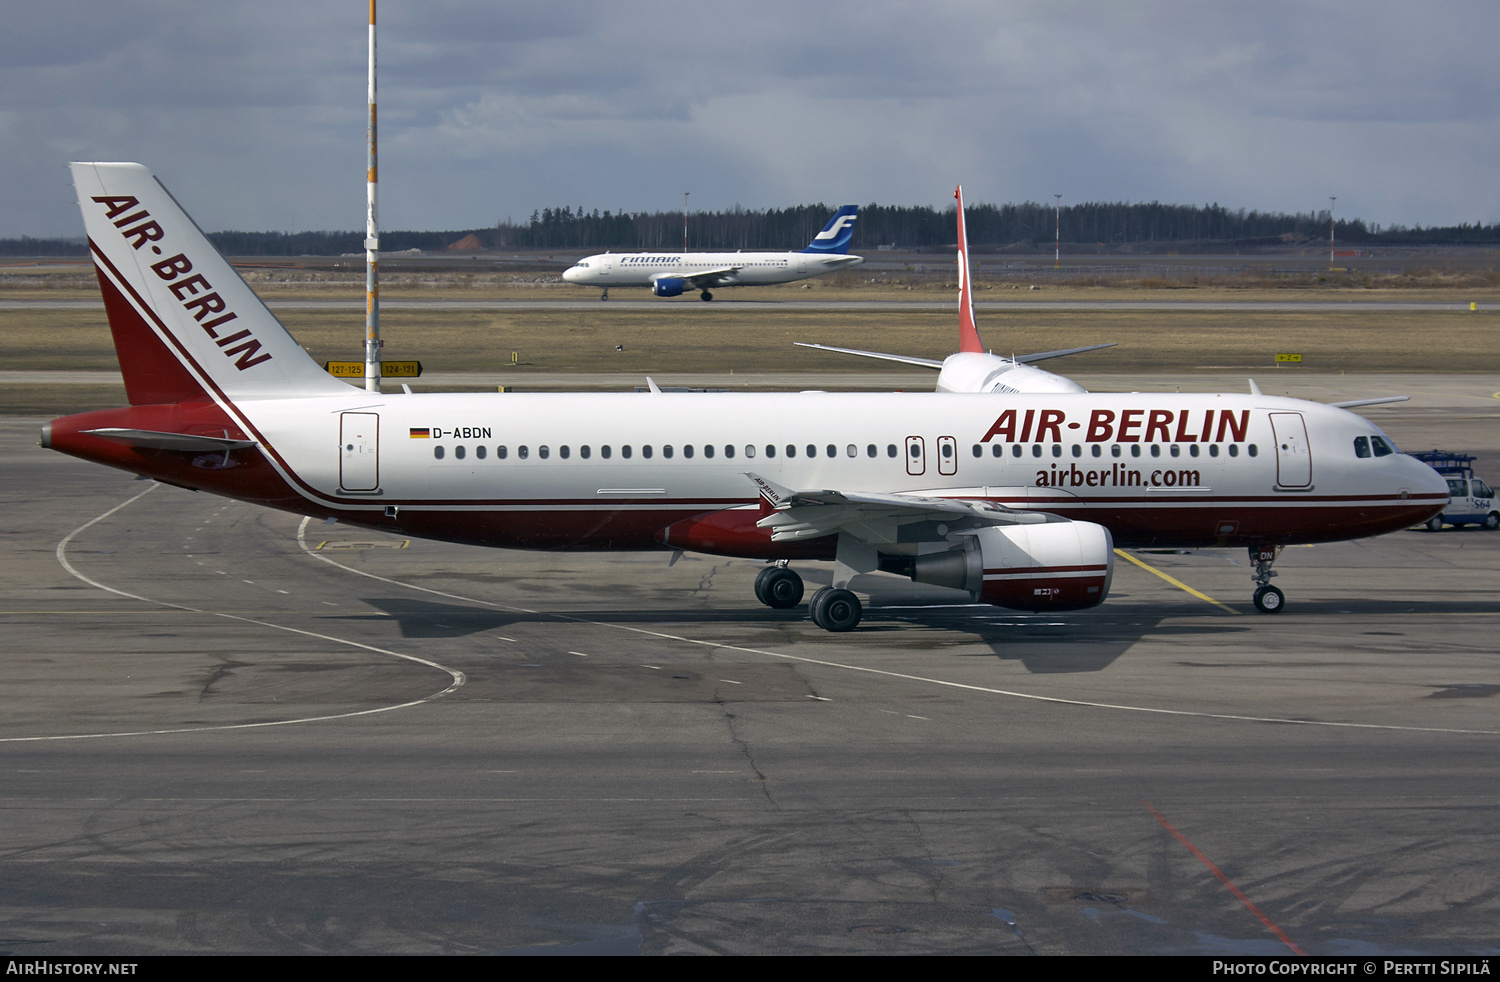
(669, 274)
(1018, 500)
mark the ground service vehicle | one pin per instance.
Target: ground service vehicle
(1470, 500)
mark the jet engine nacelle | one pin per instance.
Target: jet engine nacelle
(1056, 566)
(668, 286)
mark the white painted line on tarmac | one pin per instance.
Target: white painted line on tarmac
(62, 557)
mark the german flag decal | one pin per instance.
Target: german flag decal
(420, 433)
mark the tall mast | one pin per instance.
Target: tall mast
(372, 240)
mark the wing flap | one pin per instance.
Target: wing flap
(871, 516)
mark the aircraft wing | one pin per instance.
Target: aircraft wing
(710, 277)
(874, 517)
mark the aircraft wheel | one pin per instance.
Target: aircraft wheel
(835, 610)
(1435, 523)
(779, 587)
(706, 295)
(1492, 521)
(1269, 600)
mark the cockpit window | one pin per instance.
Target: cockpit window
(1381, 448)
(1361, 446)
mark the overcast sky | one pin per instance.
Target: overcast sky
(253, 114)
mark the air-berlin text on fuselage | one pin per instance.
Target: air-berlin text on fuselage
(1124, 426)
(197, 295)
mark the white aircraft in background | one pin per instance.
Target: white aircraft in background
(972, 368)
(669, 274)
(1018, 501)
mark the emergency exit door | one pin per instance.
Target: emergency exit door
(1293, 453)
(359, 451)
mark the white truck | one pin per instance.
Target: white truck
(1470, 500)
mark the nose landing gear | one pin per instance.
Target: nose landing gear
(1268, 599)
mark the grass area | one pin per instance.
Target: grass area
(934, 282)
(757, 339)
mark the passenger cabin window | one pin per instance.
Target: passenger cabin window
(458, 452)
(437, 452)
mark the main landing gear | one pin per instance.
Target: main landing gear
(1268, 599)
(705, 296)
(831, 608)
(778, 587)
(835, 610)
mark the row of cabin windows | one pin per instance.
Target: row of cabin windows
(1115, 450)
(606, 452)
(708, 451)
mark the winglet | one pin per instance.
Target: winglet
(968, 334)
(773, 497)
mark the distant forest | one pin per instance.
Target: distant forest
(1029, 227)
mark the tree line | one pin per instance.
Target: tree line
(1025, 227)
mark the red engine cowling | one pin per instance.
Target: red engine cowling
(1056, 566)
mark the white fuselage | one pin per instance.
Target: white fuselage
(738, 268)
(602, 471)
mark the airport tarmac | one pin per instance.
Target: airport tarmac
(227, 730)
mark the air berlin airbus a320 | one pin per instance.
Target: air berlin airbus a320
(1017, 499)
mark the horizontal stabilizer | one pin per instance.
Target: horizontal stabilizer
(157, 440)
(1044, 355)
(904, 359)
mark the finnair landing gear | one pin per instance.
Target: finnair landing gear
(706, 296)
(835, 610)
(605, 294)
(1268, 599)
(779, 587)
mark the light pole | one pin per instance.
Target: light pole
(1331, 199)
(1057, 233)
(684, 219)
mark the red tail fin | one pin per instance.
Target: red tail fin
(968, 334)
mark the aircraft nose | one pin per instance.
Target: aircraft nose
(571, 274)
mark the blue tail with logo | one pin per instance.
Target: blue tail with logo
(837, 234)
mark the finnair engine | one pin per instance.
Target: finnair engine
(668, 286)
(1056, 566)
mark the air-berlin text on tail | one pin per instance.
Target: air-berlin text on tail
(1124, 426)
(195, 293)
